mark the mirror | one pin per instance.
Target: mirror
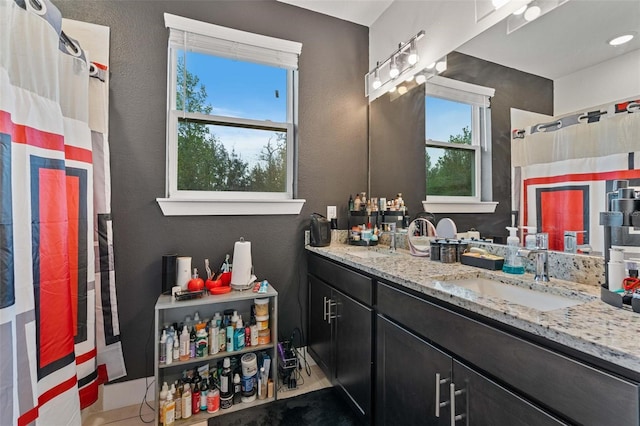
(525, 63)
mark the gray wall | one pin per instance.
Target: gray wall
(397, 133)
(332, 150)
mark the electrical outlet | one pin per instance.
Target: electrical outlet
(332, 212)
(307, 237)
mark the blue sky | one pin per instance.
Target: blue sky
(449, 118)
(245, 90)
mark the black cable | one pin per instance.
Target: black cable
(146, 379)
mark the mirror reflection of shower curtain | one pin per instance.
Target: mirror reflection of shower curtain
(49, 369)
(561, 176)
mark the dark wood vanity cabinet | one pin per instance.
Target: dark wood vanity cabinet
(340, 334)
(415, 382)
(512, 378)
(387, 346)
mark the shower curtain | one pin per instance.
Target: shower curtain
(562, 170)
(58, 311)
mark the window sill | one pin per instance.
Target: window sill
(460, 207)
(185, 207)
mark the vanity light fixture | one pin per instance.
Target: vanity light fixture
(497, 4)
(520, 11)
(400, 61)
(621, 39)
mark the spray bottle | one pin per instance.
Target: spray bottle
(513, 263)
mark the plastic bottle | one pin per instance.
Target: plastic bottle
(169, 410)
(184, 344)
(178, 399)
(512, 262)
(254, 332)
(217, 319)
(226, 385)
(176, 349)
(214, 345)
(163, 345)
(247, 335)
(222, 340)
(237, 389)
(169, 350)
(192, 343)
(234, 319)
(201, 343)
(530, 239)
(164, 392)
(230, 343)
(195, 399)
(186, 401)
(213, 400)
(238, 336)
(204, 391)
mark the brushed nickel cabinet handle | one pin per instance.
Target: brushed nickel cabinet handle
(439, 405)
(452, 394)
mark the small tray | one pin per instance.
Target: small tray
(188, 295)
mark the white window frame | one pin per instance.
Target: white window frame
(226, 42)
(478, 98)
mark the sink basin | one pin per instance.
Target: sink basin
(369, 254)
(511, 293)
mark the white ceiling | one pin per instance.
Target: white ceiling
(570, 38)
(363, 12)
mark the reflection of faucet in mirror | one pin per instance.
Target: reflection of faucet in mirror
(541, 256)
(571, 242)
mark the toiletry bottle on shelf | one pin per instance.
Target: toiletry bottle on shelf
(192, 343)
(238, 335)
(163, 348)
(351, 205)
(512, 262)
(186, 401)
(169, 411)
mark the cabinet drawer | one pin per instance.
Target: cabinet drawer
(584, 394)
(356, 285)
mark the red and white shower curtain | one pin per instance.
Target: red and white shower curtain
(563, 168)
(58, 313)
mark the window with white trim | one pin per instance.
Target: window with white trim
(457, 142)
(231, 116)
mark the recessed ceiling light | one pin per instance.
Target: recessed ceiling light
(532, 13)
(625, 38)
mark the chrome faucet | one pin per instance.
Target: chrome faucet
(392, 232)
(541, 254)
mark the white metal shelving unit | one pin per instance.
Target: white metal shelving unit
(168, 311)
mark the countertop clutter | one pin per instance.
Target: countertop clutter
(591, 326)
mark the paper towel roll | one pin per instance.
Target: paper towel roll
(184, 271)
(241, 271)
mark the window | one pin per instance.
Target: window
(457, 147)
(231, 116)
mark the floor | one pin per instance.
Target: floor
(141, 414)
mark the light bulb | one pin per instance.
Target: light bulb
(532, 13)
(413, 55)
(441, 66)
(409, 79)
(376, 83)
(402, 90)
(393, 89)
(393, 70)
(421, 78)
(431, 66)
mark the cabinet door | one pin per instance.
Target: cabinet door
(353, 346)
(319, 334)
(406, 378)
(485, 403)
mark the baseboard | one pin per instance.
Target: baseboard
(118, 395)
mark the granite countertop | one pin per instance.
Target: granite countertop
(592, 327)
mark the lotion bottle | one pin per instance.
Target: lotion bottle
(512, 262)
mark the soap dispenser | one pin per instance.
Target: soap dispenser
(512, 262)
(530, 239)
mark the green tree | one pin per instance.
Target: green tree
(453, 173)
(205, 164)
(271, 174)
